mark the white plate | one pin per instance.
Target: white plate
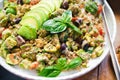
(74, 73)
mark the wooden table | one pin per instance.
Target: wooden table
(105, 70)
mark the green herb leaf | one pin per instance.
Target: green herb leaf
(46, 71)
(67, 16)
(74, 63)
(54, 73)
(74, 27)
(54, 26)
(59, 24)
(61, 64)
(49, 71)
(58, 19)
(62, 61)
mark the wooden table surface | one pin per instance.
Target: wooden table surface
(105, 70)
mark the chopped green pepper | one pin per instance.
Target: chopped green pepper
(11, 10)
(26, 1)
(91, 7)
(10, 42)
(6, 33)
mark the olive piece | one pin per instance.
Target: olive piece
(20, 40)
(17, 20)
(79, 40)
(77, 22)
(86, 46)
(20, 2)
(65, 4)
(63, 36)
(63, 46)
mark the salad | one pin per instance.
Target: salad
(51, 36)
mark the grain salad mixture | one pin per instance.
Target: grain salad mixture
(51, 36)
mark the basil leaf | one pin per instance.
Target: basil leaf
(54, 73)
(62, 61)
(54, 26)
(67, 16)
(59, 19)
(74, 63)
(74, 27)
(49, 71)
(46, 71)
(47, 25)
(59, 28)
(59, 24)
(61, 64)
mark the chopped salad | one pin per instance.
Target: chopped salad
(51, 36)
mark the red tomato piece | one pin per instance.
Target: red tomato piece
(74, 19)
(100, 9)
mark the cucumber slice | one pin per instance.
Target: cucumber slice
(56, 3)
(49, 4)
(42, 12)
(46, 7)
(29, 21)
(28, 32)
(60, 1)
(36, 16)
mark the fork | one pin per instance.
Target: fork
(1, 4)
(110, 44)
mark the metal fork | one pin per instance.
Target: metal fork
(1, 4)
(110, 44)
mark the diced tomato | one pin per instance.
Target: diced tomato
(101, 31)
(34, 65)
(33, 2)
(1, 30)
(74, 19)
(99, 9)
(81, 6)
(0, 36)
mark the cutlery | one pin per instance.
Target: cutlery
(110, 44)
(1, 4)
